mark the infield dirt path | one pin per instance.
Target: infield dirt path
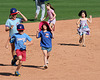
(68, 60)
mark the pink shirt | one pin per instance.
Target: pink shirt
(50, 13)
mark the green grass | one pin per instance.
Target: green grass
(65, 9)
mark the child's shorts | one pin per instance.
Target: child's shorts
(53, 21)
(48, 49)
(21, 53)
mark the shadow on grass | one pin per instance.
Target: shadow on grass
(63, 44)
(31, 19)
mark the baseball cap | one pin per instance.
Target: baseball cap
(20, 27)
(13, 11)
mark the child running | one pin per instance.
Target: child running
(46, 36)
(20, 39)
(83, 28)
(52, 16)
(11, 26)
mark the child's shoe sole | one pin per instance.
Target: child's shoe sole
(45, 66)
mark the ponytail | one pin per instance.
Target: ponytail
(9, 15)
(48, 4)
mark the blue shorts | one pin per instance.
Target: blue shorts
(48, 49)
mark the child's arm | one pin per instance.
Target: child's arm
(45, 17)
(28, 43)
(24, 18)
(52, 34)
(54, 16)
(37, 33)
(8, 29)
(90, 21)
(77, 23)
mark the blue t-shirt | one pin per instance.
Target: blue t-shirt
(13, 23)
(19, 40)
(46, 39)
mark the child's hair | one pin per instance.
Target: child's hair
(9, 15)
(48, 4)
(82, 11)
(48, 29)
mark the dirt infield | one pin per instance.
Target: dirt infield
(68, 60)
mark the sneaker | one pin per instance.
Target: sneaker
(80, 41)
(45, 66)
(47, 62)
(13, 62)
(17, 73)
(83, 45)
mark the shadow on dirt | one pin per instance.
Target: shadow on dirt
(5, 65)
(30, 66)
(63, 44)
(32, 35)
(33, 66)
(6, 74)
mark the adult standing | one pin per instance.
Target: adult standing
(40, 4)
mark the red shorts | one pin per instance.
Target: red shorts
(21, 53)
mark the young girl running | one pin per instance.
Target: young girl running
(83, 28)
(46, 36)
(11, 26)
(20, 40)
(52, 16)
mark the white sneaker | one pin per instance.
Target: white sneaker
(45, 66)
(47, 62)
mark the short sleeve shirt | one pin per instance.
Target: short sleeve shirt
(13, 23)
(46, 39)
(19, 40)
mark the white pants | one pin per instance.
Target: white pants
(38, 6)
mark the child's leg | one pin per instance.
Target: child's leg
(80, 40)
(45, 56)
(13, 49)
(84, 39)
(52, 26)
(6, 46)
(20, 63)
(48, 55)
(14, 60)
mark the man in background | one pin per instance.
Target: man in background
(40, 4)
